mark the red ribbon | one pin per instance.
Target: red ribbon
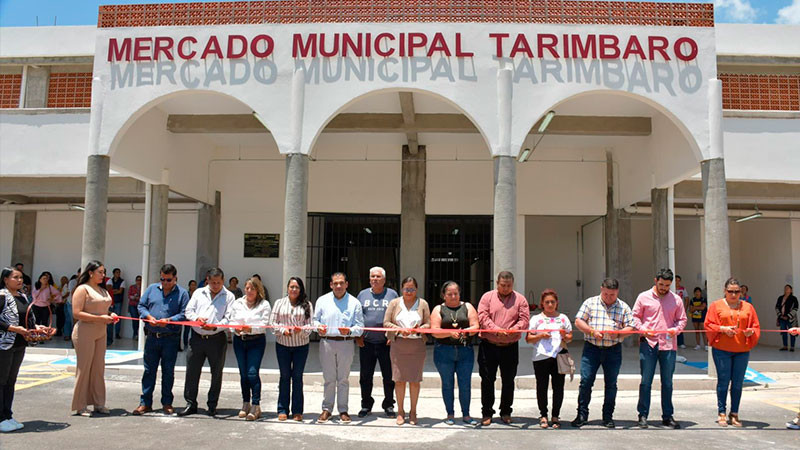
(417, 330)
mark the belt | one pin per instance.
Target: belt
(501, 344)
(158, 335)
(209, 336)
(338, 338)
(250, 337)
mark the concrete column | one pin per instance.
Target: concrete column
(159, 208)
(658, 198)
(24, 242)
(94, 217)
(295, 217)
(504, 228)
(717, 234)
(618, 238)
(505, 214)
(715, 200)
(208, 228)
(412, 214)
(37, 83)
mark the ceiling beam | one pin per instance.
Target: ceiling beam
(423, 123)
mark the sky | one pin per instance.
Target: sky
(84, 12)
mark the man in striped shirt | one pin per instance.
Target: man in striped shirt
(596, 316)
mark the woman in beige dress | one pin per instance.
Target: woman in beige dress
(90, 304)
(407, 350)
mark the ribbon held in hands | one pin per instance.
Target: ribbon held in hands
(191, 323)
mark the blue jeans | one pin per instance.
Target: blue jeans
(134, 312)
(594, 357)
(731, 368)
(785, 325)
(292, 363)
(452, 360)
(249, 354)
(68, 321)
(648, 357)
(162, 349)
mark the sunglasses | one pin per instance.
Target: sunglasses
(167, 280)
(738, 291)
(410, 290)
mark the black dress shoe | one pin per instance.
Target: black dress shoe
(211, 412)
(669, 422)
(579, 421)
(609, 423)
(390, 412)
(364, 412)
(642, 422)
(189, 410)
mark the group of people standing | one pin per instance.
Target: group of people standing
(501, 319)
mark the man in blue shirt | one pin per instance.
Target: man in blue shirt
(339, 319)
(373, 344)
(160, 304)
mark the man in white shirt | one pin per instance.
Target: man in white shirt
(207, 306)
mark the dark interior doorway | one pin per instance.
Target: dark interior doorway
(459, 248)
(351, 243)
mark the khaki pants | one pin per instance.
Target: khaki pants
(336, 358)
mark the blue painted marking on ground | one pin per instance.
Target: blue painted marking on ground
(751, 376)
(112, 357)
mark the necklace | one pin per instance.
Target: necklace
(738, 313)
(453, 316)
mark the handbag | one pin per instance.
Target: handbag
(566, 366)
(38, 335)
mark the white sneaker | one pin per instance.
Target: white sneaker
(697, 347)
(792, 426)
(17, 424)
(680, 359)
(683, 346)
(706, 349)
(6, 426)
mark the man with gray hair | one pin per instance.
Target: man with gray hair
(373, 346)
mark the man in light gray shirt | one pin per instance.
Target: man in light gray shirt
(207, 306)
(339, 319)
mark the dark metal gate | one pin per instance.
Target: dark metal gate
(351, 244)
(459, 248)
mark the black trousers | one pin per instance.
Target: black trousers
(490, 358)
(60, 319)
(10, 362)
(42, 314)
(202, 348)
(369, 355)
(546, 370)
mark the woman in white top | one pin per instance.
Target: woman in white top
(407, 350)
(547, 345)
(291, 314)
(249, 342)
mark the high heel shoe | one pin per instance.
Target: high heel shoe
(245, 410)
(401, 417)
(722, 420)
(734, 420)
(412, 418)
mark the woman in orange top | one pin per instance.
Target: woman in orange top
(732, 328)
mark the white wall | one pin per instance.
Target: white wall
(147, 148)
(761, 257)
(762, 149)
(43, 144)
(551, 259)
(252, 202)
